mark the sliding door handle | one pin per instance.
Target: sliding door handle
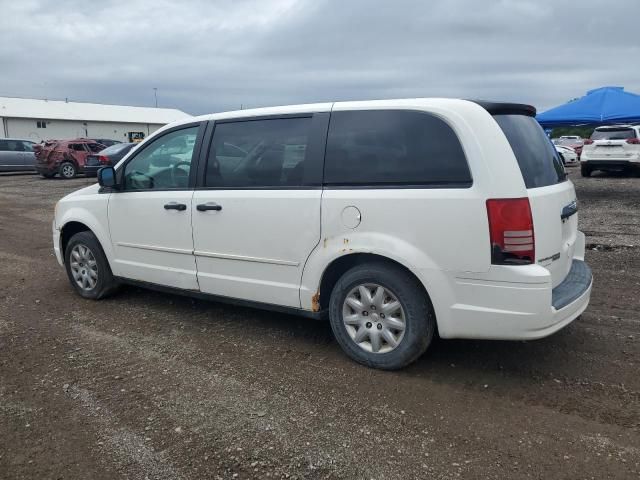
(203, 207)
(175, 206)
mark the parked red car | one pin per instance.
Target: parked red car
(66, 158)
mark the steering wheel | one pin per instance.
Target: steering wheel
(177, 179)
(142, 174)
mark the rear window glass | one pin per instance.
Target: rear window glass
(117, 148)
(538, 159)
(393, 147)
(613, 134)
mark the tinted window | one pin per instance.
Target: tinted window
(539, 161)
(164, 163)
(95, 147)
(12, 146)
(393, 148)
(28, 146)
(613, 134)
(259, 153)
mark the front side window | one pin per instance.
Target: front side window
(11, 146)
(393, 148)
(259, 153)
(163, 164)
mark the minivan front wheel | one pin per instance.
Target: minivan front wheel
(380, 316)
(87, 267)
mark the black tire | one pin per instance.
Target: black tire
(585, 170)
(420, 321)
(105, 283)
(67, 170)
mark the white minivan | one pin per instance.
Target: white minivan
(395, 219)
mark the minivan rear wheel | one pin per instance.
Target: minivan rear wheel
(381, 316)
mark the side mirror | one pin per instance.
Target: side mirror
(107, 177)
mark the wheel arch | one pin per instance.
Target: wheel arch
(69, 230)
(336, 268)
(76, 219)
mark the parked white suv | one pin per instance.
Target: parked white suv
(613, 148)
(394, 218)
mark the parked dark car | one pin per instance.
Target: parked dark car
(107, 142)
(109, 156)
(64, 157)
(16, 155)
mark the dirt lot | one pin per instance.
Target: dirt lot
(147, 385)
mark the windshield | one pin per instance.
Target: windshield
(613, 134)
(538, 159)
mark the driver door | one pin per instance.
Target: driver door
(150, 215)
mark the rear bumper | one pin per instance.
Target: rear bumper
(612, 163)
(517, 304)
(92, 170)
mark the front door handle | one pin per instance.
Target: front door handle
(175, 206)
(203, 207)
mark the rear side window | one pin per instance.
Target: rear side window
(538, 159)
(393, 148)
(613, 134)
(260, 154)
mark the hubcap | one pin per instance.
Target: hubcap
(67, 171)
(84, 267)
(374, 318)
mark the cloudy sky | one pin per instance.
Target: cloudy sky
(208, 55)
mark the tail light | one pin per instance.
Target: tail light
(511, 231)
(103, 159)
(633, 141)
(588, 141)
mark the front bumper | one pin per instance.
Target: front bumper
(56, 244)
(46, 169)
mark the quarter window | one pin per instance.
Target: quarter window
(163, 164)
(393, 148)
(259, 153)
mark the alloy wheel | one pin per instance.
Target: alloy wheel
(84, 267)
(374, 318)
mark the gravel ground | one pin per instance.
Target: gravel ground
(149, 385)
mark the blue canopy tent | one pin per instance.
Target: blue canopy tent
(600, 106)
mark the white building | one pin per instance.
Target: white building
(37, 120)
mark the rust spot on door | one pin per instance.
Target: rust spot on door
(315, 302)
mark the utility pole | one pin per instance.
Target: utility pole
(155, 95)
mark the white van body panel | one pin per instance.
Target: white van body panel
(278, 246)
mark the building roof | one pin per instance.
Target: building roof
(11, 107)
